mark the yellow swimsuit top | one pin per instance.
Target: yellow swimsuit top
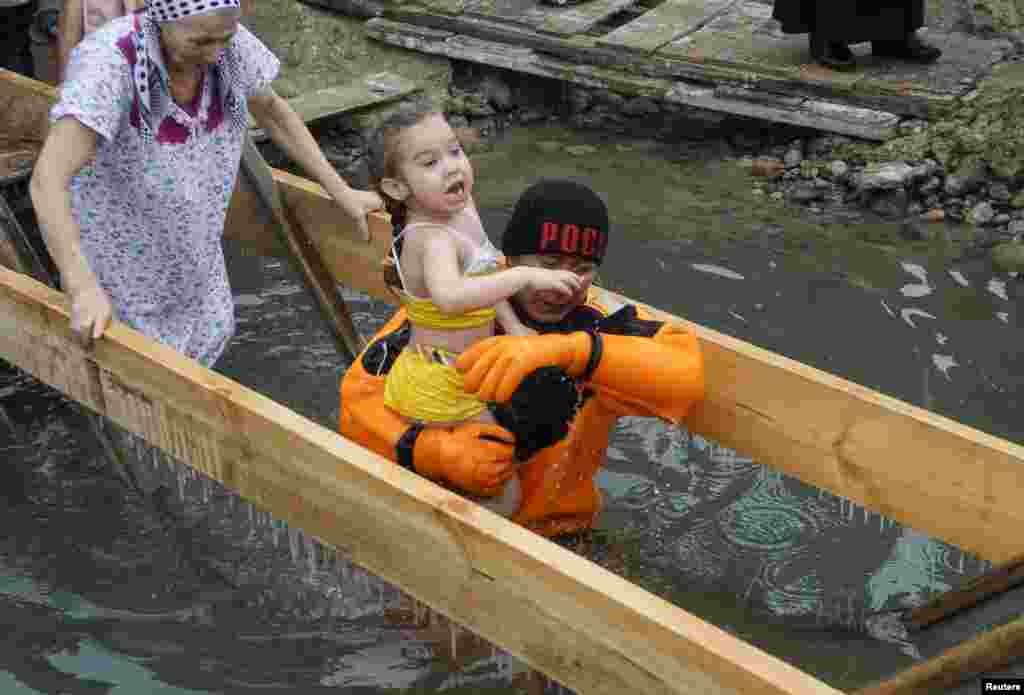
(423, 312)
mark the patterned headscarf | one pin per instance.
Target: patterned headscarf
(145, 39)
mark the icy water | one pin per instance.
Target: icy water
(103, 591)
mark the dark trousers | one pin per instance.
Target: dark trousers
(851, 20)
(15, 53)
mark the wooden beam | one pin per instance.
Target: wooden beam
(985, 653)
(934, 474)
(367, 90)
(997, 580)
(352, 262)
(302, 252)
(565, 616)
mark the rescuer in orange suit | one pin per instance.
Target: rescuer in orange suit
(625, 363)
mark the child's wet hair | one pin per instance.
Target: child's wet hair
(384, 164)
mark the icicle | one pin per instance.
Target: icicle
(293, 539)
(312, 559)
(181, 485)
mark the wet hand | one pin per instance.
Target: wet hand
(91, 313)
(563, 282)
(357, 205)
(493, 368)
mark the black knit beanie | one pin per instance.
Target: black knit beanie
(558, 216)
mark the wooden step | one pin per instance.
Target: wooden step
(370, 90)
(813, 113)
(673, 19)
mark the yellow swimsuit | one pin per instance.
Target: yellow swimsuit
(422, 384)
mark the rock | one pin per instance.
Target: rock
(999, 192)
(839, 170)
(548, 146)
(530, 115)
(915, 208)
(496, 92)
(1001, 219)
(930, 186)
(470, 105)
(923, 171)
(793, 158)
(579, 99)
(805, 193)
(965, 181)
(915, 229)
(777, 195)
(580, 150)
(757, 191)
(1017, 201)
(892, 204)
(768, 167)
(616, 101)
(887, 176)
(934, 215)
(1016, 228)
(981, 214)
(822, 184)
(1009, 257)
(640, 106)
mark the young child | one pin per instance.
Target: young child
(82, 17)
(450, 275)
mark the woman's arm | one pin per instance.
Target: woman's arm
(455, 293)
(289, 132)
(69, 146)
(69, 34)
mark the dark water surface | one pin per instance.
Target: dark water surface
(100, 593)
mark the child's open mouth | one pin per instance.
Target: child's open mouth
(457, 188)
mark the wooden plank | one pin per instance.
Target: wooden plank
(302, 252)
(576, 19)
(671, 20)
(560, 21)
(848, 120)
(997, 580)
(985, 653)
(565, 616)
(352, 262)
(371, 90)
(931, 473)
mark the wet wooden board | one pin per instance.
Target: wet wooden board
(369, 90)
(564, 21)
(671, 20)
(923, 470)
(565, 616)
(747, 37)
(860, 122)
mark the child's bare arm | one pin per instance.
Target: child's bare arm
(69, 33)
(510, 322)
(456, 293)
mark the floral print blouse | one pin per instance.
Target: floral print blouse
(152, 215)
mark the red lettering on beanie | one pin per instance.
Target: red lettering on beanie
(570, 238)
(590, 236)
(548, 235)
(602, 244)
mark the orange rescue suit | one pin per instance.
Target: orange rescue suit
(647, 368)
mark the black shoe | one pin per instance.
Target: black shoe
(912, 49)
(832, 54)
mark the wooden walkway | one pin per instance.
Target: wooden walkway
(723, 55)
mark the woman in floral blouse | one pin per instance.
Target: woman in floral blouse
(133, 183)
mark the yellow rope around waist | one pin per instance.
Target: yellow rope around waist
(423, 312)
(423, 385)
